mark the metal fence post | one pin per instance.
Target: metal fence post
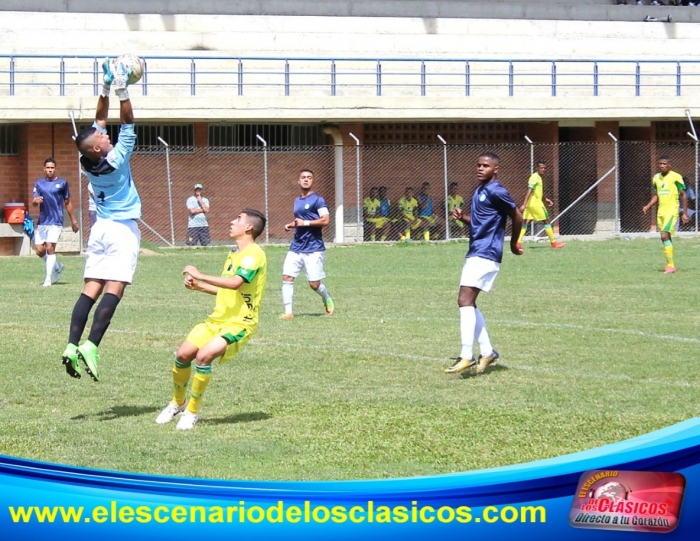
(267, 229)
(694, 137)
(80, 184)
(617, 184)
(170, 191)
(358, 236)
(447, 189)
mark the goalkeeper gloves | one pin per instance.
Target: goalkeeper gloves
(107, 78)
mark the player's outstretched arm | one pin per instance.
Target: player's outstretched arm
(233, 282)
(126, 112)
(102, 112)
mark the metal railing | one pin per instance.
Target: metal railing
(202, 75)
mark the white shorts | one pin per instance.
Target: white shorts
(47, 233)
(479, 273)
(311, 263)
(113, 250)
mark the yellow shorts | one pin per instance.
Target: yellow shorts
(411, 221)
(236, 336)
(378, 222)
(667, 223)
(538, 213)
(428, 219)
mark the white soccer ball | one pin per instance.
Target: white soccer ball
(134, 65)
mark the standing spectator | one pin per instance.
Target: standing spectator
(669, 193)
(491, 207)
(307, 250)
(197, 224)
(51, 193)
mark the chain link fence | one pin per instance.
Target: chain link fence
(399, 192)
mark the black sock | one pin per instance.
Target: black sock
(79, 318)
(103, 317)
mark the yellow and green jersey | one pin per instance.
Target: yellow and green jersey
(454, 202)
(667, 189)
(371, 206)
(408, 206)
(242, 306)
(535, 184)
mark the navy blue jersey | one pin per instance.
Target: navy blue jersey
(55, 192)
(426, 203)
(308, 239)
(491, 205)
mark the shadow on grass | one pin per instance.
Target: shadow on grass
(468, 374)
(115, 412)
(238, 418)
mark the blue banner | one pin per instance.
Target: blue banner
(525, 501)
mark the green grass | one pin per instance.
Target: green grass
(596, 346)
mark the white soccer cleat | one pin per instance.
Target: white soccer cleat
(187, 421)
(47, 283)
(170, 412)
(56, 273)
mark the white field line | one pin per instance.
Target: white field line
(409, 356)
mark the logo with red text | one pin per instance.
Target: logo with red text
(633, 501)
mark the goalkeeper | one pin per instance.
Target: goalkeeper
(113, 246)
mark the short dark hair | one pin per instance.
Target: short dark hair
(306, 171)
(84, 134)
(50, 160)
(453, 184)
(257, 220)
(491, 155)
(540, 162)
(425, 184)
(664, 157)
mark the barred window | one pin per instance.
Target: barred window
(425, 133)
(674, 130)
(180, 137)
(226, 137)
(9, 139)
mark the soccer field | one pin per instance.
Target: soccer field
(596, 344)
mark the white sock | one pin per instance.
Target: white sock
(323, 292)
(287, 296)
(50, 262)
(482, 335)
(467, 326)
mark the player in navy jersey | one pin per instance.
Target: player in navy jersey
(113, 246)
(491, 206)
(307, 249)
(51, 193)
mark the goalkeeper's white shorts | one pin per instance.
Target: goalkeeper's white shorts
(113, 250)
(479, 273)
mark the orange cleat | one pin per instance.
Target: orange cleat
(558, 244)
(669, 269)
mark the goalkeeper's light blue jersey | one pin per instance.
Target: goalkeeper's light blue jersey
(116, 197)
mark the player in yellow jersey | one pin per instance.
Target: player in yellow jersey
(374, 221)
(534, 208)
(408, 206)
(455, 201)
(669, 193)
(239, 293)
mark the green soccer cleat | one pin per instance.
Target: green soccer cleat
(70, 361)
(88, 354)
(460, 365)
(330, 307)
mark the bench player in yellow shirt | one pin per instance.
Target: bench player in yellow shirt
(239, 293)
(669, 191)
(376, 223)
(534, 207)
